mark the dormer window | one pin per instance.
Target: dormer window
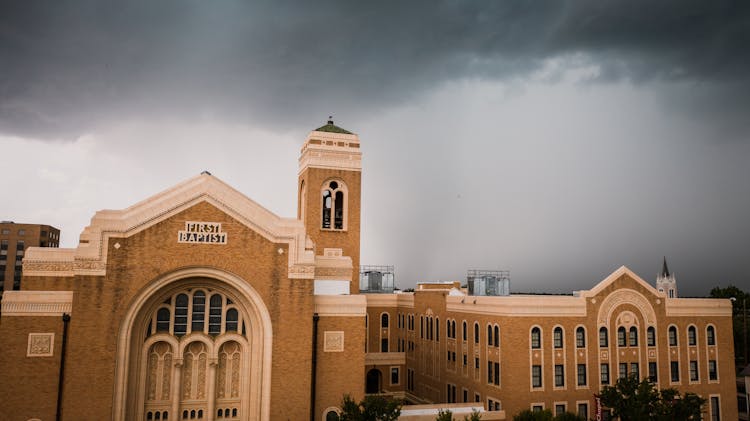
(333, 205)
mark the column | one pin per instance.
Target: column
(211, 396)
(177, 390)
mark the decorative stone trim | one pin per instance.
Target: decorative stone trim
(704, 306)
(340, 305)
(37, 303)
(626, 296)
(333, 341)
(385, 358)
(41, 345)
(331, 151)
(518, 305)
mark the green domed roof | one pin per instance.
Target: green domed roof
(332, 128)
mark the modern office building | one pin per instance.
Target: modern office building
(14, 239)
(198, 303)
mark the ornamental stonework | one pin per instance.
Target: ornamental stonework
(40, 345)
(333, 342)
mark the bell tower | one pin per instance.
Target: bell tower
(666, 281)
(330, 174)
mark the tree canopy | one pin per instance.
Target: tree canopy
(371, 408)
(631, 400)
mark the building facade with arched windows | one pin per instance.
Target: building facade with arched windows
(200, 304)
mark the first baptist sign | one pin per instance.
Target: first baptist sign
(202, 233)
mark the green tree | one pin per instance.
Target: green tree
(444, 415)
(528, 415)
(371, 408)
(474, 416)
(568, 416)
(739, 305)
(633, 400)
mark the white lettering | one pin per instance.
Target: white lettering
(202, 233)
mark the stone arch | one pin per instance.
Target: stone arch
(626, 296)
(128, 371)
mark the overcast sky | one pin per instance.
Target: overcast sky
(558, 140)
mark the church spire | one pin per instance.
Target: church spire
(664, 269)
(666, 282)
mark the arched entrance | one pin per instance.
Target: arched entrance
(373, 381)
(195, 344)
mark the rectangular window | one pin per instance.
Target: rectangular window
(634, 370)
(384, 345)
(583, 410)
(604, 370)
(559, 409)
(497, 374)
(476, 363)
(559, 375)
(536, 376)
(693, 371)
(22, 232)
(674, 368)
(652, 375)
(713, 374)
(537, 408)
(20, 245)
(395, 375)
(6, 231)
(3, 244)
(477, 397)
(623, 370)
(489, 372)
(466, 395)
(581, 374)
(449, 355)
(466, 360)
(715, 414)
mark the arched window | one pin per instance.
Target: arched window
(603, 338)
(214, 315)
(497, 336)
(332, 416)
(536, 338)
(437, 329)
(333, 205)
(463, 331)
(558, 337)
(633, 336)
(489, 335)
(651, 336)
(232, 319)
(476, 333)
(621, 336)
(180, 314)
(710, 335)
(447, 328)
(672, 336)
(453, 329)
(692, 340)
(199, 311)
(384, 320)
(580, 337)
(162, 320)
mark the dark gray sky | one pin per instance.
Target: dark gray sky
(556, 139)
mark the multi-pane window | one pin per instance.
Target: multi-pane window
(583, 410)
(692, 336)
(559, 409)
(476, 333)
(633, 336)
(693, 371)
(384, 345)
(652, 372)
(603, 337)
(623, 370)
(621, 336)
(604, 373)
(635, 371)
(674, 369)
(558, 337)
(497, 336)
(710, 335)
(580, 337)
(536, 376)
(489, 335)
(384, 320)
(651, 336)
(463, 331)
(713, 374)
(186, 313)
(536, 338)
(559, 375)
(581, 374)
(20, 245)
(672, 336)
(395, 375)
(715, 415)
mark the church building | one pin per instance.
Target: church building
(200, 304)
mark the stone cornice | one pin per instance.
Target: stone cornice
(340, 305)
(698, 307)
(385, 358)
(518, 305)
(37, 303)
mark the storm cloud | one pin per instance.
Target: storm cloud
(557, 139)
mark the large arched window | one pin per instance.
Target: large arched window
(672, 336)
(384, 320)
(603, 338)
(710, 335)
(621, 336)
(497, 336)
(633, 336)
(183, 327)
(692, 336)
(651, 336)
(580, 337)
(333, 206)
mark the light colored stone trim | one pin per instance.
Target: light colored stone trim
(333, 341)
(37, 303)
(90, 257)
(41, 345)
(340, 305)
(382, 300)
(698, 306)
(385, 358)
(315, 153)
(518, 305)
(626, 296)
(614, 276)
